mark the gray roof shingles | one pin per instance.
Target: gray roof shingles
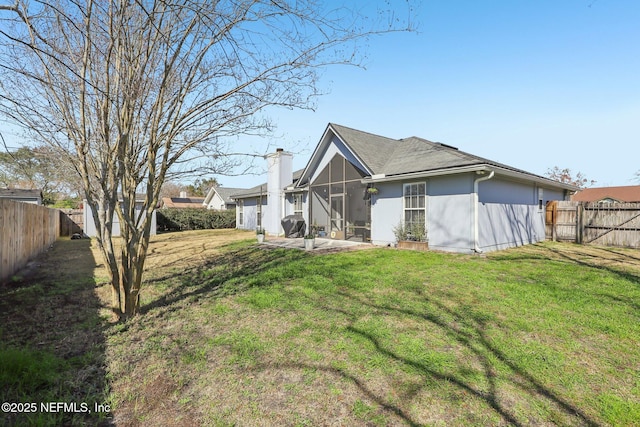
(389, 156)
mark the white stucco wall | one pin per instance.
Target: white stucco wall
(503, 226)
(508, 213)
(386, 212)
(90, 226)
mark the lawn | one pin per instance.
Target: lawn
(232, 333)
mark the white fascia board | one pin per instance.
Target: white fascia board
(426, 174)
(290, 190)
(473, 168)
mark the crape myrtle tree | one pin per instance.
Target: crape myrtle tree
(131, 91)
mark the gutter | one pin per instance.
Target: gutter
(476, 231)
(515, 175)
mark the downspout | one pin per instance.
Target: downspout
(476, 231)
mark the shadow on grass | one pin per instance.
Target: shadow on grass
(593, 257)
(577, 254)
(468, 331)
(240, 267)
(53, 340)
(233, 270)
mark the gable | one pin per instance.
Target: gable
(331, 145)
(338, 169)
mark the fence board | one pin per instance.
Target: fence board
(611, 224)
(25, 231)
(71, 221)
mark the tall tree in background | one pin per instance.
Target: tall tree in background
(38, 168)
(131, 91)
(201, 186)
(568, 177)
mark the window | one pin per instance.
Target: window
(414, 208)
(240, 208)
(297, 204)
(259, 212)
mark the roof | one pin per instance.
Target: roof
(261, 189)
(387, 157)
(19, 193)
(628, 194)
(182, 202)
(400, 156)
(224, 192)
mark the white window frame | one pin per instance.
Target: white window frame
(240, 207)
(298, 205)
(259, 212)
(413, 201)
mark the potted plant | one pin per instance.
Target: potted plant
(309, 241)
(260, 234)
(372, 190)
(413, 236)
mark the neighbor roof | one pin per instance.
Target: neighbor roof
(225, 193)
(182, 202)
(629, 194)
(19, 193)
(262, 188)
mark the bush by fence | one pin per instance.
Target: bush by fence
(194, 219)
(27, 230)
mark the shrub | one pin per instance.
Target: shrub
(174, 219)
(415, 232)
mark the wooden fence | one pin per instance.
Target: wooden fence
(608, 224)
(71, 222)
(26, 230)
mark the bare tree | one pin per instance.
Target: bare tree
(132, 91)
(567, 176)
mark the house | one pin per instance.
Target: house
(22, 195)
(360, 186)
(182, 202)
(251, 203)
(219, 198)
(624, 194)
(90, 226)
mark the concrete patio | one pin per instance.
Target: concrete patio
(321, 244)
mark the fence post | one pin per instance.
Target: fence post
(579, 223)
(554, 222)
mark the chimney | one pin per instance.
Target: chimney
(279, 176)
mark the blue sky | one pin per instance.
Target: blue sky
(532, 84)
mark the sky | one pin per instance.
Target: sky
(531, 84)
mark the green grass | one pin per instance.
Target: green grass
(546, 334)
(235, 334)
(51, 346)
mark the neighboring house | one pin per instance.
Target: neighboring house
(182, 202)
(219, 198)
(466, 203)
(90, 226)
(625, 194)
(252, 209)
(22, 195)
